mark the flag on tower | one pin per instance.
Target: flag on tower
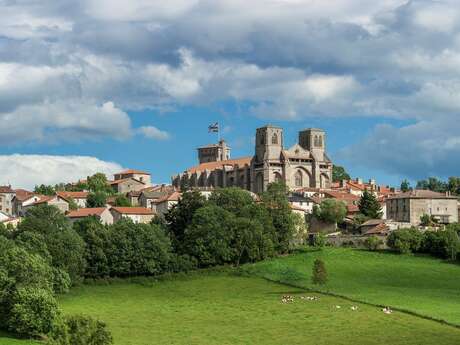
(213, 128)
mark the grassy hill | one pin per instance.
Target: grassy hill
(423, 285)
(222, 308)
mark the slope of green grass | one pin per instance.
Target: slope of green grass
(221, 309)
(7, 339)
(423, 285)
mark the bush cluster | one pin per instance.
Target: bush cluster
(443, 243)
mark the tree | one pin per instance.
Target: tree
(232, 199)
(122, 201)
(96, 199)
(98, 183)
(405, 186)
(369, 205)
(433, 184)
(63, 245)
(425, 220)
(97, 241)
(209, 236)
(45, 190)
(180, 216)
(319, 276)
(331, 210)
(454, 185)
(339, 174)
(137, 249)
(405, 241)
(276, 202)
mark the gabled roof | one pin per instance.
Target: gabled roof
(44, 199)
(344, 196)
(124, 180)
(132, 171)
(174, 196)
(220, 164)
(6, 190)
(74, 195)
(297, 151)
(371, 222)
(132, 210)
(86, 212)
(380, 229)
(421, 194)
(22, 194)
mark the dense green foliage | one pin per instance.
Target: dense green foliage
(405, 186)
(45, 190)
(442, 243)
(434, 184)
(372, 243)
(330, 210)
(339, 174)
(369, 206)
(96, 199)
(122, 201)
(80, 330)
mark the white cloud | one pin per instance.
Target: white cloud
(62, 62)
(152, 132)
(63, 121)
(25, 171)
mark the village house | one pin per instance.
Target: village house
(165, 203)
(53, 200)
(78, 197)
(138, 175)
(126, 185)
(103, 214)
(136, 214)
(409, 207)
(6, 200)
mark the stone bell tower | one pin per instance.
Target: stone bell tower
(267, 165)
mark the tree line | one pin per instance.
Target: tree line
(452, 185)
(46, 255)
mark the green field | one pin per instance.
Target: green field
(222, 308)
(423, 285)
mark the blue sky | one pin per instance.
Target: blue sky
(90, 85)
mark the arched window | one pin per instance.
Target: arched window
(278, 177)
(275, 139)
(320, 141)
(298, 179)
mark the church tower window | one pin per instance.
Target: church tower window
(298, 179)
(275, 139)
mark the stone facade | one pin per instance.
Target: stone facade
(6, 200)
(305, 164)
(409, 207)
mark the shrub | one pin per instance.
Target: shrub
(444, 244)
(33, 311)
(319, 276)
(405, 241)
(372, 243)
(319, 240)
(331, 210)
(182, 263)
(61, 280)
(80, 330)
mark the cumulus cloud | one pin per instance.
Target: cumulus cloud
(153, 133)
(76, 69)
(25, 171)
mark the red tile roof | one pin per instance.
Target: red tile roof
(6, 189)
(22, 194)
(220, 164)
(73, 195)
(341, 195)
(132, 210)
(86, 212)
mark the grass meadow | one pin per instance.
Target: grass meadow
(224, 308)
(420, 284)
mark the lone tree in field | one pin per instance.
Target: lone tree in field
(370, 206)
(319, 276)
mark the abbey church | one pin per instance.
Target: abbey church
(305, 164)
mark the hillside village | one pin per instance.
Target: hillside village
(305, 168)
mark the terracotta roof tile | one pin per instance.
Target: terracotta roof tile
(132, 171)
(219, 165)
(6, 189)
(132, 210)
(73, 195)
(86, 212)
